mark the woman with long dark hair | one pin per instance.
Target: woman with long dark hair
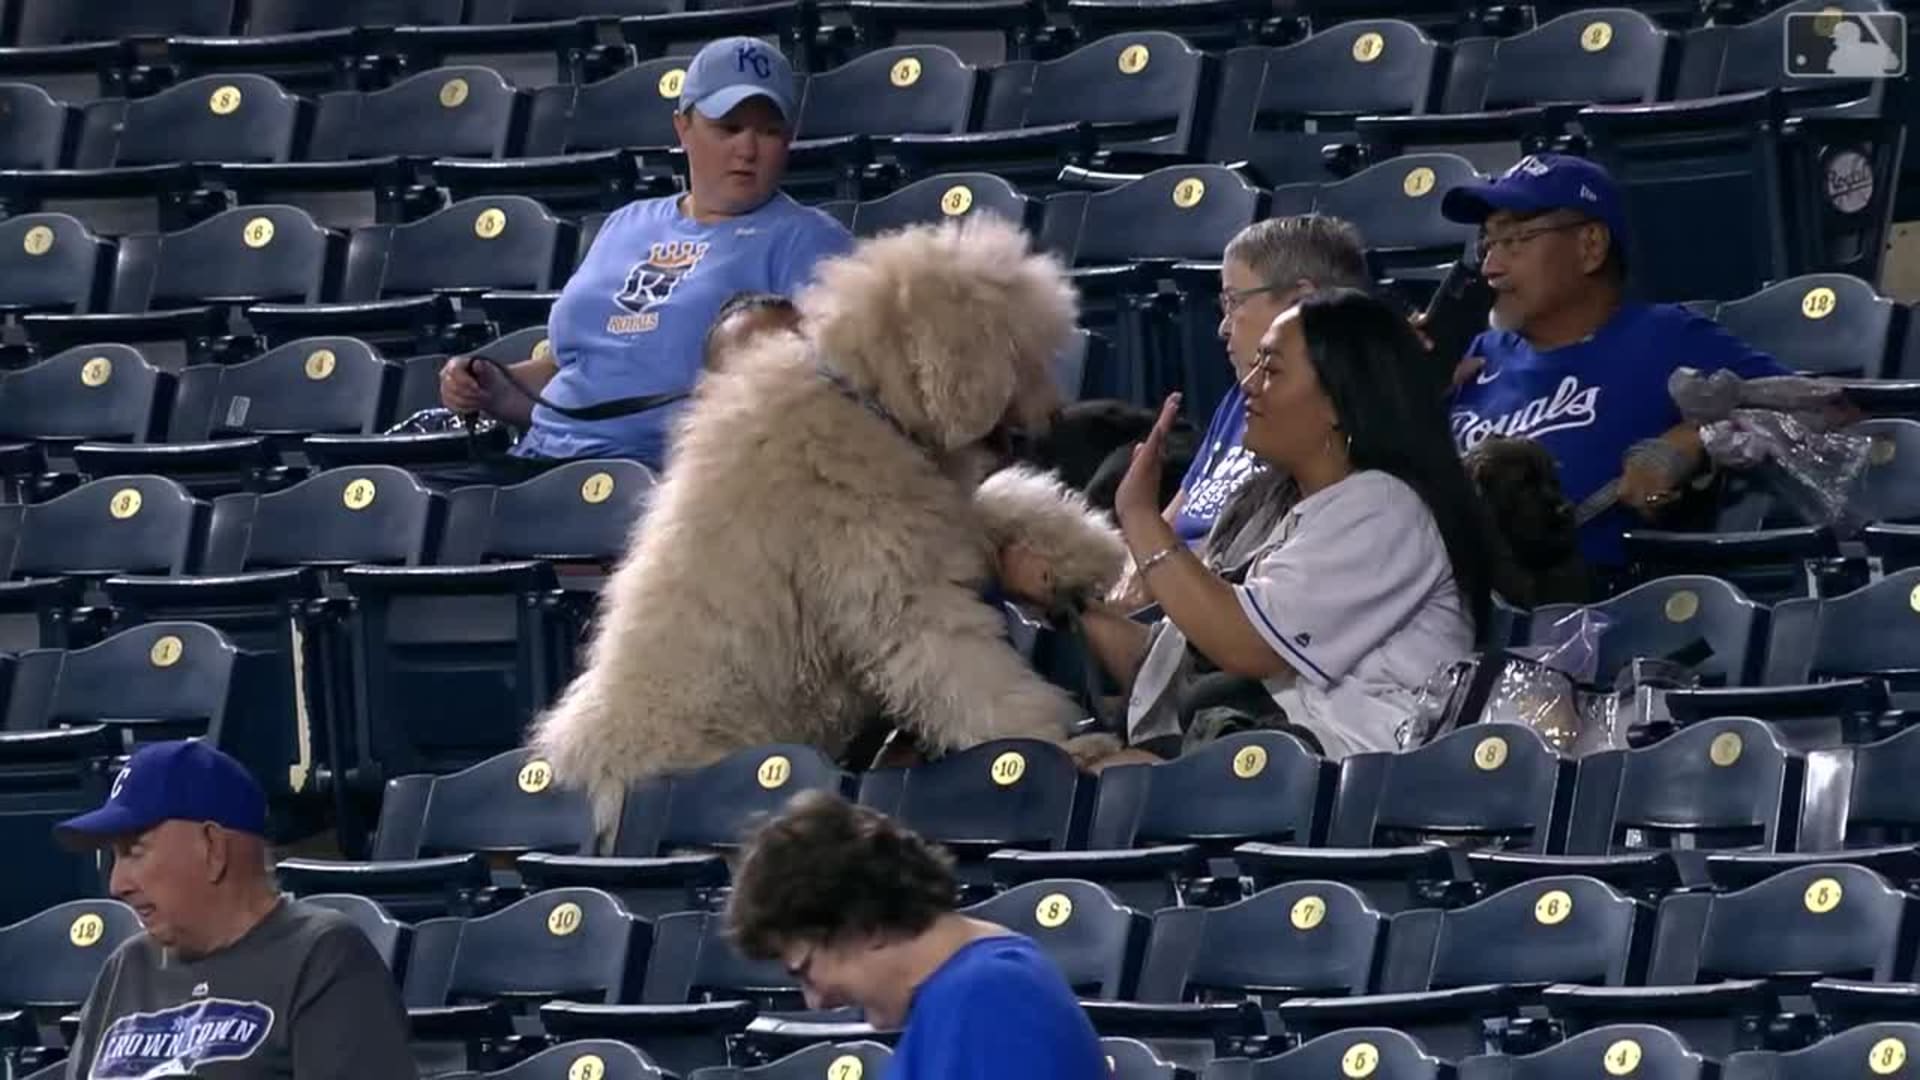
(1379, 575)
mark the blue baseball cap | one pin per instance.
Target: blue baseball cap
(731, 70)
(167, 781)
(1542, 182)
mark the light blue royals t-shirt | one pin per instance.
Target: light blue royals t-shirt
(632, 319)
(1589, 402)
(1217, 471)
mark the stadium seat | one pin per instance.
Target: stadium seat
(131, 524)
(984, 33)
(1095, 941)
(1498, 783)
(1637, 1050)
(1118, 242)
(1884, 1048)
(601, 1059)
(794, 26)
(40, 130)
(1157, 829)
(1396, 207)
(937, 198)
(89, 392)
(390, 938)
(1723, 959)
(531, 43)
(904, 90)
(46, 778)
(366, 147)
(1131, 1059)
(1210, 972)
(699, 991)
(53, 262)
(134, 161)
(1645, 819)
(427, 858)
(48, 962)
(1370, 1051)
(1511, 96)
(1857, 808)
(311, 46)
(1137, 95)
(401, 279)
(1006, 793)
(240, 426)
(174, 293)
(1820, 324)
(568, 944)
(1446, 971)
(163, 680)
(821, 1059)
(585, 144)
(1279, 108)
(668, 854)
(269, 589)
(1702, 624)
(1889, 488)
(72, 49)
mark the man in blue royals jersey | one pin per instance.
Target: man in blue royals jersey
(632, 320)
(1569, 361)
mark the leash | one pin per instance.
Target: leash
(599, 410)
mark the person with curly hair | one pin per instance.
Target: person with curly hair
(860, 911)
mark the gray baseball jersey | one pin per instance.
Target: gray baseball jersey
(303, 995)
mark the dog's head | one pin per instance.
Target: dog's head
(953, 327)
(1520, 482)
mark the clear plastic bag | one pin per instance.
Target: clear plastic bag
(1784, 430)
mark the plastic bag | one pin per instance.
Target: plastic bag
(1783, 430)
(434, 421)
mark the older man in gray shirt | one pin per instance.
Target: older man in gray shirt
(232, 980)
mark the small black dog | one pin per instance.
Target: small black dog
(1520, 483)
(1090, 444)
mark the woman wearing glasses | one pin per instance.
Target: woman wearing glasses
(1376, 577)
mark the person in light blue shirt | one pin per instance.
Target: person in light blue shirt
(632, 320)
(1572, 363)
(860, 911)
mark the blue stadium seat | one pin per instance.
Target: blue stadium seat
(1372, 1051)
(53, 262)
(1884, 1048)
(1638, 1050)
(248, 419)
(1157, 830)
(1521, 93)
(391, 938)
(398, 291)
(1702, 623)
(602, 1059)
(1498, 783)
(675, 829)
(435, 832)
(1131, 1059)
(311, 46)
(568, 944)
(1138, 95)
(1095, 941)
(850, 112)
(1279, 108)
(105, 392)
(45, 778)
(983, 33)
(820, 1059)
(40, 131)
(1820, 324)
(175, 292)
(1722, 959)
(1447, 971)
(1396, 207)
(1006, 793)
(681, 31)
(48, 962)
(937, 198)
(361, 158)
(71, 49)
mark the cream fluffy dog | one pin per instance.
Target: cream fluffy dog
(814, 557)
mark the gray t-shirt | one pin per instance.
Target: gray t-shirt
(303, 995)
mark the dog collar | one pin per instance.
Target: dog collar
(870, 403)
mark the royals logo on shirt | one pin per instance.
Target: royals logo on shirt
(1570, 405)
(651, 282)
(178, 1041)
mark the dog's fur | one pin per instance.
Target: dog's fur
(1520, 484)
(805, 566)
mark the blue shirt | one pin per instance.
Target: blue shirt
(633, 317)
(1589, 402)
(1217, 471)
(997, 1010)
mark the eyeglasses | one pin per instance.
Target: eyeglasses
(1255, 381)
(1509, 244)
(1231, 300)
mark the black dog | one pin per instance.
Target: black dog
(1090, 444)
(1520, 483)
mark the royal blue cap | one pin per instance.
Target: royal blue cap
(167, 781)
(1542, 182)
(731, 70)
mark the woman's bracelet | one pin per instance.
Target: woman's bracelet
(1157, 558)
